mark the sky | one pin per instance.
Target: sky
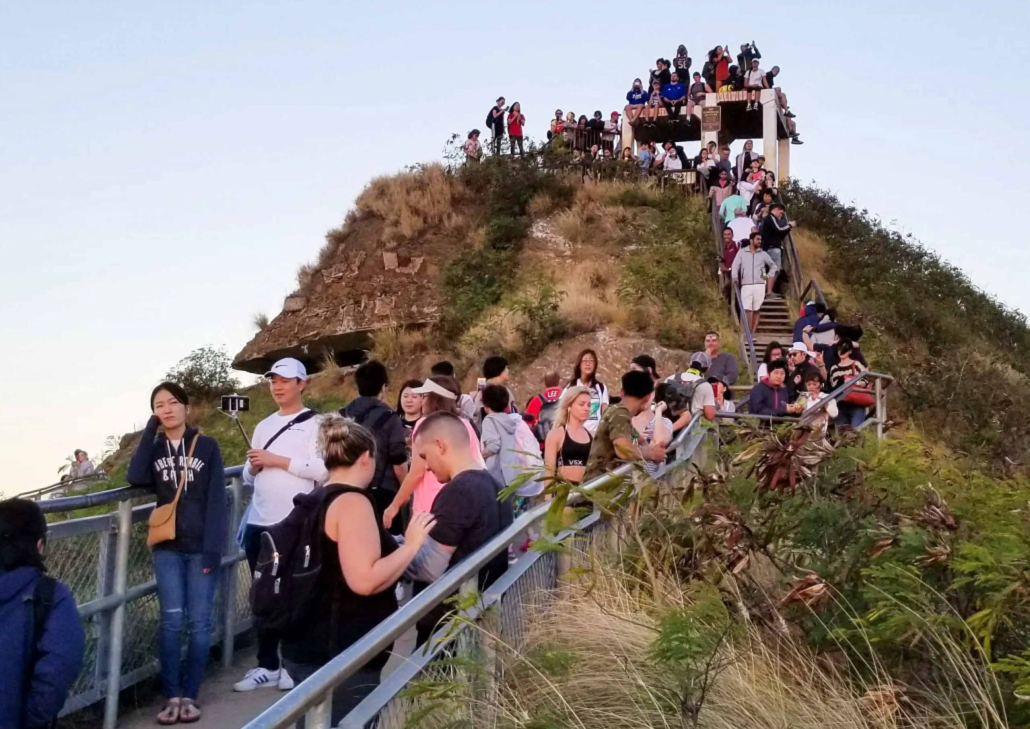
(165, 168)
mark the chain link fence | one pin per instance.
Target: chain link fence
(89, 553)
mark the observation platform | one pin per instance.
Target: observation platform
(734, 124)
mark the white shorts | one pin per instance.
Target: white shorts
(752, 296)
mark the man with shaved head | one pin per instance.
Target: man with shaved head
(468, 513)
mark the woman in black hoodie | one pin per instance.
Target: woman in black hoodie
(171, 454)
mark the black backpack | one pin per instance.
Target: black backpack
(381, 442)
(545, 420)
(290, 560)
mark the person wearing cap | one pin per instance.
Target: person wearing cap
(723, 364)
(775, 229)
(421, 486)
(83, 466)
(171, 456)
(723, 395)
(753, 271)
(283, 462)
(754, 82)
(36, 668)
(636, 98)
(702, 396)
(799, 366)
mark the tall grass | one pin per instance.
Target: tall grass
(588, 661)
(412, 203)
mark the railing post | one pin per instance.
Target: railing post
(121, 571)
(320, 715)
(106, 553)
(231, 576)
(489, 623)
(881, 408)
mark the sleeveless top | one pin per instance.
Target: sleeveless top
(339, 617)
(574, 453)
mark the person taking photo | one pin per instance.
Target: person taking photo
(283, 462)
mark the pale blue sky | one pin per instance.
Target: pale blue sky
(166, 167)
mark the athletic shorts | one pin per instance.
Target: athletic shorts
(752, 296)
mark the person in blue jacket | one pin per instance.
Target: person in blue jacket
(41, 635)
(636, 99)
(813, 315)
(186, 567)
(771, 396)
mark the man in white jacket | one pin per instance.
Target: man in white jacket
(282, 462)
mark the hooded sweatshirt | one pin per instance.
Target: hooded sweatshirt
(388, 431)
(59, 651)
(810, 319)
(200, 519)
(500, 450)
(768, 400)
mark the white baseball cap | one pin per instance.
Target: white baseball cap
(800, 347)
(430, 387)
(289, 368)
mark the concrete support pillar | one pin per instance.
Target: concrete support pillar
(782, 160)
(770, 121)
(627, 138)
(706, 137)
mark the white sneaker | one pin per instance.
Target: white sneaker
(285, 682)
(259, 678)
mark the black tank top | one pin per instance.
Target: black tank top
(574, 453)
(340, 617)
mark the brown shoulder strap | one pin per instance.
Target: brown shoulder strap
(186, 468)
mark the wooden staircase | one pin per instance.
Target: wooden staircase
(775, 324)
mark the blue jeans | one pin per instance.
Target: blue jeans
(186, 596)
(850, 415)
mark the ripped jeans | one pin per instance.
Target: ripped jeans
(186, 597)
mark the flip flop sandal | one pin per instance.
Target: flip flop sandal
(190, 712)
(170, 714)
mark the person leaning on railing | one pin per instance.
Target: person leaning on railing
(41, 637)
(185, 469)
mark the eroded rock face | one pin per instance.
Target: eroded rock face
(364, 285)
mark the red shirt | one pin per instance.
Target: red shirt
(515, 125)
(551, 394)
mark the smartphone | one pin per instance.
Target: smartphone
(481, 383)
(235, 404)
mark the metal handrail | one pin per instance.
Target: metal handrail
(810, 414)
(813, 285)
(313, 696)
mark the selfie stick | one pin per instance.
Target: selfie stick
(239, 425)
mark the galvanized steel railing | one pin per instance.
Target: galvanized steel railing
(105, 561)
(533, 575)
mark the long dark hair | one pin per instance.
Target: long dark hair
(577, 372)
(400, 394)
(768, 352)
(511, 109)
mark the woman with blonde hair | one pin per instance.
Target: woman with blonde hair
(568, 444)
(362, 563)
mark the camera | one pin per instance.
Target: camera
(234, 403)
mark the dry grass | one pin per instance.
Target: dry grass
(591, 301)
(587, 663)
(260, 320)
(412, 203)
(590, 220)
(394, 345)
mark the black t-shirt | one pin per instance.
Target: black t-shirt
(770, 78)
(497, 122)
(468, 515)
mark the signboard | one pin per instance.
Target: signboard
(711, 119)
